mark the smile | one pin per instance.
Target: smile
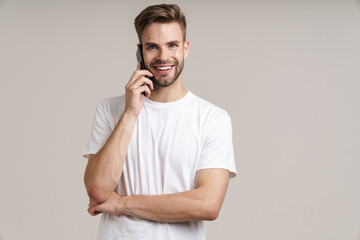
(163, 68)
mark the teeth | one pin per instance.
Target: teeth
(163, 68)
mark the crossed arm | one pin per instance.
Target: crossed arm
(202, 203)
(104, 170)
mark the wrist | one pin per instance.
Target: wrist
(121, 206)
(130, 116)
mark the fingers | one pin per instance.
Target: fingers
(140, 82)
(109, 205)
(141, 85)
(138, 91)
(138, 74)
(92, 203)
(135, 83)
(93, 208)
(92, 211)
(139, 79)
(146, 90)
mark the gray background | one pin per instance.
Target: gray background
(286, 71)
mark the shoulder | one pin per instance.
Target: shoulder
(209, 110)
(112, 106)
(216, 126)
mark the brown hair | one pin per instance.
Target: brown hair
(163, 13)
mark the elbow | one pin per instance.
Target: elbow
(97, 194)
(211, 212)
(97, 190)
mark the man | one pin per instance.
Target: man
(159, 157)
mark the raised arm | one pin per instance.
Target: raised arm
(202, 203)
(104, 168)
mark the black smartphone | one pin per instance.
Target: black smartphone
(139, 56)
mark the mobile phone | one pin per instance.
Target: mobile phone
(140, 57)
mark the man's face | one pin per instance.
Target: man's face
(164, 52)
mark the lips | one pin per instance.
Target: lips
(163, 68)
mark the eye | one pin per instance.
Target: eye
(173, 45)
(151, 47)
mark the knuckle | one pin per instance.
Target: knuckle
(137, 73)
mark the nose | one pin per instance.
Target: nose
(163, 55)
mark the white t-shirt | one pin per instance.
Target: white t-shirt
(169, 144)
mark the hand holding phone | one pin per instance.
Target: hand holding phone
(138, 87)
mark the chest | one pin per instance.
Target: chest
(172, 135)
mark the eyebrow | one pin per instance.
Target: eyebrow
(168, 43)
(150, 44)
(174, 42)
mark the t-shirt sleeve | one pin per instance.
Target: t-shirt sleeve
(218, 150)
(100, 131)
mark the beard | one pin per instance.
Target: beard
(166, 79)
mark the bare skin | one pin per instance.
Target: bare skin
(202, 203)
(164, 47)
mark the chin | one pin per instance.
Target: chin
(164, 82)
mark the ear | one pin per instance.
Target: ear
(186, 49)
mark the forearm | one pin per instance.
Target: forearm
(104, 170)
(202, 203)
(178, 207)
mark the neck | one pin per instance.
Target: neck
(171, 93)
